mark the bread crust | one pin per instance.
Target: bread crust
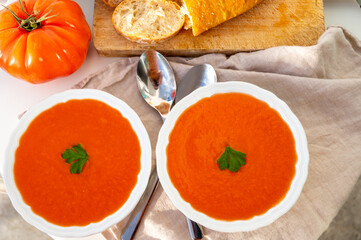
(206, 14)
(144, 40)
(147, 40)
(110, 3)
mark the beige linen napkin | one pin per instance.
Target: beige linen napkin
(322, 86)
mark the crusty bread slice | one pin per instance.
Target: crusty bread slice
(148, 21)
(112, 3)
(188, 19)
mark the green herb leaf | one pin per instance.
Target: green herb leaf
(222, 161)
(77, 157)
(231, 159)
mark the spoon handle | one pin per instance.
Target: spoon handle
(195, 230)
(140, 208)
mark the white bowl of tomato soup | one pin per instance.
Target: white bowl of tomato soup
(232, 157)
(77, 163)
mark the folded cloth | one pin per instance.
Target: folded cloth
(322, 86)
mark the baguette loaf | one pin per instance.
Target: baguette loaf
(205, 14)
(148, 21)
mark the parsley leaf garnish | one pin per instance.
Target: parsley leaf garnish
(74, 153)
(231, 159)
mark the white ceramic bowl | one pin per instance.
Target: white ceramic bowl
(143, 176)
(301, 150)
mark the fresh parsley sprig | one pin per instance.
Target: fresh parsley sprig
(231, 159)
(74, 153)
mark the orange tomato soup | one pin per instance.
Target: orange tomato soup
(246, 124)
(108, 177)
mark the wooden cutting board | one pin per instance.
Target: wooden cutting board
(272, 23)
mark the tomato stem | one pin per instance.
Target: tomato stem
(22, 8)
(31, 22)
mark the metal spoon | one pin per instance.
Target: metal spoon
(156, 83)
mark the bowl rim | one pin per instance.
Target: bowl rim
(142, 180)
(301, 149)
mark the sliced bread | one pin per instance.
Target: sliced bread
(188, 19)
(148, 21)
(112, 3)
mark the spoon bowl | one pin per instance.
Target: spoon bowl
(198, 76)
(156, 81)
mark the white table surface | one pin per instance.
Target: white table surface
(17, 95)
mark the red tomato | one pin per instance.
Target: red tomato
(56, 47)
